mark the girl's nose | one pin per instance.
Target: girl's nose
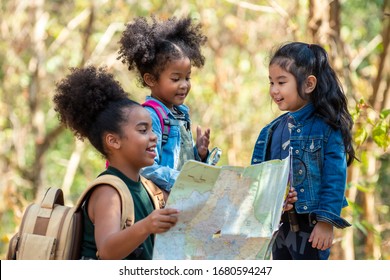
(184, 84)
(273, 89)
(153, 136)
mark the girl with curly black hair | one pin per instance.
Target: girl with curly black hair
(162, 53)
(94, 106)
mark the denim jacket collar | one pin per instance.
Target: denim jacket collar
(303, 114)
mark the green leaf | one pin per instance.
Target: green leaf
(384, 113)
(361, 227)
(362, 188)
(360, 136)
(380, 134)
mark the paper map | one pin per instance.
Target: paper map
(226, 212)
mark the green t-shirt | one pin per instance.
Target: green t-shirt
(143, 206)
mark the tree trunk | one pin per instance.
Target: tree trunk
(381, 85)
(371, 248)
(39, 20)
(351, 194)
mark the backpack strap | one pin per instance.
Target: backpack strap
(165, 121)
(154, 192)
(52, 197)
(126, 198)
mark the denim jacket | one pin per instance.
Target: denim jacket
(164, 171)
(319, 165)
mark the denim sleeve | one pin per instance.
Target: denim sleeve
(163, 176)
(334, 177)
(196, 154)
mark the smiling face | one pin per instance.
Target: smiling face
(173, 84)
(138, 141)
(283, 89)
(134, 147)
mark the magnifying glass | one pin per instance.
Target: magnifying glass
(214, 156)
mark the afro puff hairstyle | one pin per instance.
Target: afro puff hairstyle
(149, 46)
(90, 103)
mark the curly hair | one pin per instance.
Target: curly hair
(148, 47)
(90, 102)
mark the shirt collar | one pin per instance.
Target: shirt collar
(303, 114)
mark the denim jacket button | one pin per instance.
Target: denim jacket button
(314, 222)
(300, 171)
(255, 160)
(302, 190)
(299, 130)
(297, 152)
(304, 207)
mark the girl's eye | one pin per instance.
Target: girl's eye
(175, 79)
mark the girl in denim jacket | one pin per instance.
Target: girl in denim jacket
(316, 132)
(162, 53)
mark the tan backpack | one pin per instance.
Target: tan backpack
(51, 230)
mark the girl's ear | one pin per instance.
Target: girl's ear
(310, 84)
(149, 79)
(112, 141)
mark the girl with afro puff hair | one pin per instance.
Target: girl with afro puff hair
(162, 54)
(94, 106)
